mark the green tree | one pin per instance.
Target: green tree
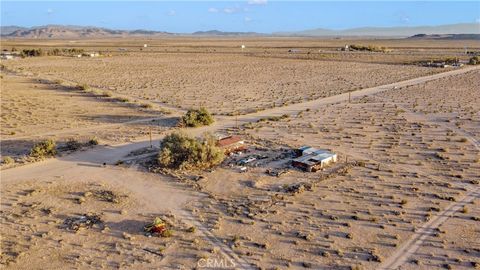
(179, 151)
(197, 118)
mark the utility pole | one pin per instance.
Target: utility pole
(349, 96)
(236, 114)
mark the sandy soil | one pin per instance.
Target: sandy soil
(224, 83)
(408, 155)
(413, 165)
(33, 110)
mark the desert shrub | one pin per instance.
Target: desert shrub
(123, 99)
(196, 118)
(273, 118)
(180, 151)
(31, 52)
(82, 87)
(8, 160)
(44, 149)
(73, 145)
(93, 141)
(107, 93)
(167, 233)
(55, 51)
(474, 60)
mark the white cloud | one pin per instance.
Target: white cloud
(248, 19)
(172, 13)
(50, 11)
(405, 19)
(477, 20)
(229, 10)
(212, 10)
(257, 2)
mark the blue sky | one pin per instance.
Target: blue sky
(250, 15)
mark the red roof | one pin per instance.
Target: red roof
(229, 141)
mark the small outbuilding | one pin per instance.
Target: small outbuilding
(231, 144)
(311, 159)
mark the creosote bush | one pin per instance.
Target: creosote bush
(474, 60)
(8, 160)
(182, 152)
(93, 141)
(369, 48)
(196, 118)
(44, 149)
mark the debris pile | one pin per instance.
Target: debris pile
(82, 222)
(107, 195)
(157, 227)
(297, 188)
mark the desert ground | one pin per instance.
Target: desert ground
(403, 194)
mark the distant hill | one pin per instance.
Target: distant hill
(447, 37)
(462, 28)
(5, 30)
(71, 31)
(221, 33)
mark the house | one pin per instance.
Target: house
(311, 159)
(231, 144)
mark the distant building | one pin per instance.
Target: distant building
(231, 144)
(7, 55)
(311, 159)
(91, 54)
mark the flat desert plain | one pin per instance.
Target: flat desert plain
(403, 194)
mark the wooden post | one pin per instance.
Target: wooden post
(349, 96)
(151, 145)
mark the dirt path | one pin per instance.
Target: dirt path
(408, 248)
(165, 195)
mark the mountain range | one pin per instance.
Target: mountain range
(71, 31)
(469, 30)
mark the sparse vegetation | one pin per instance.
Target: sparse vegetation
(180, 151)
(369, 48)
